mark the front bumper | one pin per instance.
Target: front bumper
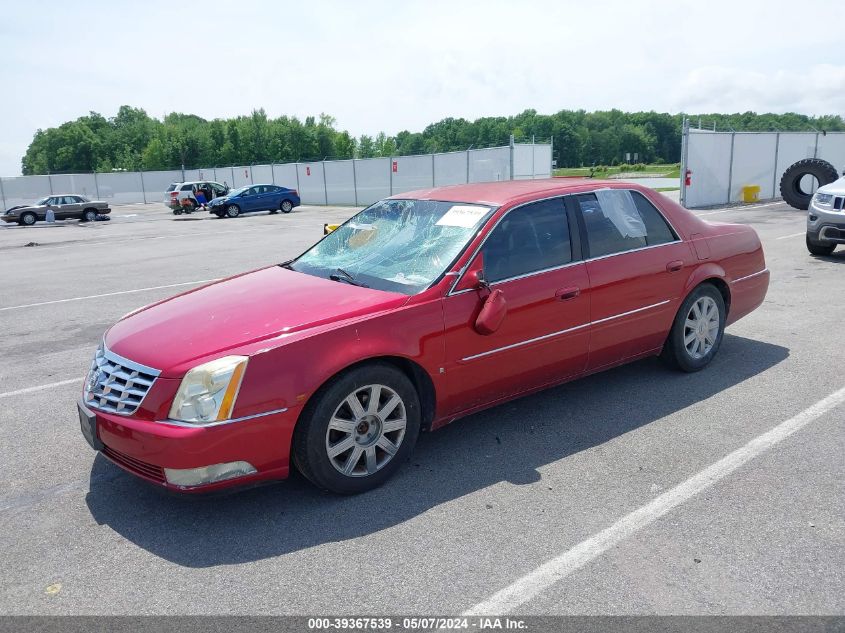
(825, 225)
(10, 218)
(145, 448)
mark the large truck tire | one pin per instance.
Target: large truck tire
(790, 183)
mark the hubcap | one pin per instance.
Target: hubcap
(29, 219)
(701, 327)
(366, 430)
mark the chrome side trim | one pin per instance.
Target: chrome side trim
(528, 342)
(191, 425)
(736, 281)
(572, 329)
(619, 316)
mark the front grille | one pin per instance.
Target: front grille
(116, 384)
(839, 203)
(148, 471)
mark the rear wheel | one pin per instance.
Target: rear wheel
(233, 211)
(697, 331)
(286, 206)
(817, 248)
(177, 211)
(358, 429)
(28, 219)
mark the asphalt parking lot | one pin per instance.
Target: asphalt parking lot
(483, 502)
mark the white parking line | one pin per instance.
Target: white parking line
(19, 392)
(786, 237)
(108, 294)
(555, 570)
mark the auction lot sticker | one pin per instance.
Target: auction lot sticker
(463, 215)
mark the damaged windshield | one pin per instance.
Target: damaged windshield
(395, 245)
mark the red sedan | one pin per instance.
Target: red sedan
(418, 310)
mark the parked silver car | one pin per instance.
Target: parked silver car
(65, 206)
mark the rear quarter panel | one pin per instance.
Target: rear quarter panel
(737, 249)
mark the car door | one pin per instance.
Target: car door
(273, 197)
(250, 200)
(532, 258)
(70, 207)
(636, 263)
(54, 203)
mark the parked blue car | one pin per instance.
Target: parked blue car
(255, 198)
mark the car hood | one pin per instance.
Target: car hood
(209, 321)
(837, 187)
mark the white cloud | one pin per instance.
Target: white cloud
(820, 89)
(393, 65)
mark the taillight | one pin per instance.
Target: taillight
(295, 192)
(174, 194)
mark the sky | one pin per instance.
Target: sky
(395, 65)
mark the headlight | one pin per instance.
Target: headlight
(824, 198)
(208, 392)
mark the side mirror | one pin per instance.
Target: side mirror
(478, 279)
(492, 313)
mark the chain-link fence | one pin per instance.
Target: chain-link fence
(343, 182)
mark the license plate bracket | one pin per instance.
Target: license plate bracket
(88, 425)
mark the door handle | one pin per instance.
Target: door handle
(565, 294)
(674, 266)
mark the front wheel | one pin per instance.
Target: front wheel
(697, 330)
(816, 248)
(286, 206)
(28, 219)
(358, 429)
(89, 215)
(233, 211)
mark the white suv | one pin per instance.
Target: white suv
(826, 218)
(181, 197)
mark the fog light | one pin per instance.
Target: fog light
(207, 474)
(813, 218)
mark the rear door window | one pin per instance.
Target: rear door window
(619, 220)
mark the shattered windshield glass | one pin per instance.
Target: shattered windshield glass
(395, 245)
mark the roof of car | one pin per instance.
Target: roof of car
(503, 191)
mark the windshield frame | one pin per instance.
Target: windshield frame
(491, 212)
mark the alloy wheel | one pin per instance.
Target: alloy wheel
(366, 430)
(701, 327)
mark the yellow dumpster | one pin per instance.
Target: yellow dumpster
(751, 193)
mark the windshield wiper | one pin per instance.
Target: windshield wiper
(345, 276)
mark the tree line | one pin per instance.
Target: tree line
(132, 140)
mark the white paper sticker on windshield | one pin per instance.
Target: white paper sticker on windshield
(465, 216)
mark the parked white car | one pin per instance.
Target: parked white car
(181, 197)
(826, 218)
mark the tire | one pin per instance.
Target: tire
(790, 182)
(177, 212)
(286, 206)
(693, 355)
(28, 219)
(817, 248)
(233, 211)
(89, 215)
(219, 214)
(367, 459)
